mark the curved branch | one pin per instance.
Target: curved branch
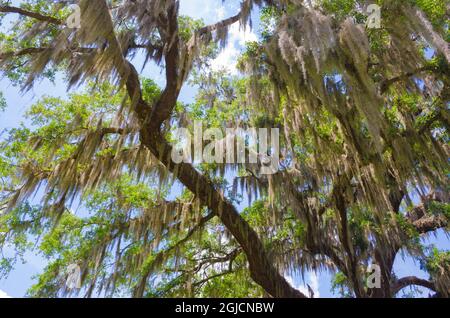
(412, 280)
(27, 51)
(221, 24)
(30, 14)
(164, 107)
(425, 220)
(384, 86)
(430, 223)
(37, 50)
(230, 258)
(424, 223)
(115, 130)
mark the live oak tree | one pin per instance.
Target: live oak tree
(364, 148)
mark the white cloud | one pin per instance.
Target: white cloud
(212, 11)
(312, 281)
(3, 294)
(194, 8)
(220, 13)
(237, 37)
(209, 11)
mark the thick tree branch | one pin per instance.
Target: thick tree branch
(430, 223)
(164, 107)
(221, 24)
(36, 50)
(339, 188)
(261, 268)
(425, 220)
(30, 14)
(22, 52)
(115, 130)
(412, 280)
(384, 86)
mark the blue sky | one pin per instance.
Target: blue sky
(210, 11)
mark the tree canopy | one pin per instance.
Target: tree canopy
(364, 148)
